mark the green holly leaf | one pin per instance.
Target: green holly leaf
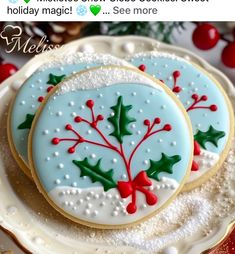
(54, 80)
(96, 174)
(120, 120)
(165, 164)
(211, 135)
(27, 123)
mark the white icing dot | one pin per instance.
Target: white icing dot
(117, 93)
(133, 126)
(66, 176)
(115, 213)
(152, 93)
(102, 203)
(57, 181)
(73, 192)
(145, 162)
(97, 196)
(100, 95)
(109, 196)
(68, 192)
(195, 89)
(71, 203)
(147, 150)
(33, 96)
(87, 212)
(169, 78)
(94, 213)
(133, 93)
(198, 125)
(93, 155)
(59, 113)
(47, 158)
(159, 140)
(80, 201)
(114, 160)
(56, 154)
(129, 47)
(132, 143)
(32, 106)
(170, 250)
(112, 114)
(82, 107)
(140, 111)
(74, 184)
(61, 165)
(101, 107)
(147, 101)
(173, 143)
(138, 132)
(39, 81)
(163, 106)
(71, 103)
(75, 208)
(88, 198)
(165, 65)
(124, 176)
(45, 132)
(87, 48)
(86, 148)
(22, 103)
(108, 127)
(89, 132)
(32, 86)
(143, 206)
(89, 205)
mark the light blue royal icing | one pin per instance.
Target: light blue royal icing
(192, 81)
(53, 162)
(26, 101)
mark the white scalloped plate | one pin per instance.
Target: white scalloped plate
(36, 226)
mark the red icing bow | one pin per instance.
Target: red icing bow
(129, 188)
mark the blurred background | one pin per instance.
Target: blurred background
(215, 42)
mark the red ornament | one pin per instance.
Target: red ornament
(228, 55)
(205, 36)
(142, 67)
(6, 70)
(197, 149)
(195, 166)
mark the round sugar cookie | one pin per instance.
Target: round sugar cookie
(110, 147)
(207, 105)
(35, 88)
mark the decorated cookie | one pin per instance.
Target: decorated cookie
(110, 147)
(206, 103)
(33, 91)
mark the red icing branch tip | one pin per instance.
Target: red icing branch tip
(131, 208)
(151, 198)
(213, 107)
(195, 96)
(71, 150)
(40, 99)
(195, 166)
(55, 141)
(68, 127)
(100, 118)
(90, 103)
(204, 98)
(49, 88)
(176, 74)
(77, 119)
(157, 120)
(146, 122)
(176, 88)
(167, 127)
(142, 67)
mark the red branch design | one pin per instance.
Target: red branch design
(141, 177)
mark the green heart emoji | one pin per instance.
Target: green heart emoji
(27, 1)
(95, 9)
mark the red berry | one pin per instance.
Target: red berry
(205, 36)
(90, 103)
(177, 89)
(195, 166)
(176, 74)
(195, 96)
(77, 119)
(142, 67)
(157, 120)
(55, 141)
(228, 55)
(50, 88)
(68, 127)
(213, 107)
(6, 70)
(204, 98)
(167, 127)
(40, 99)
(100, 118)
(146, 122)
(131, 208)
(71, 150)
